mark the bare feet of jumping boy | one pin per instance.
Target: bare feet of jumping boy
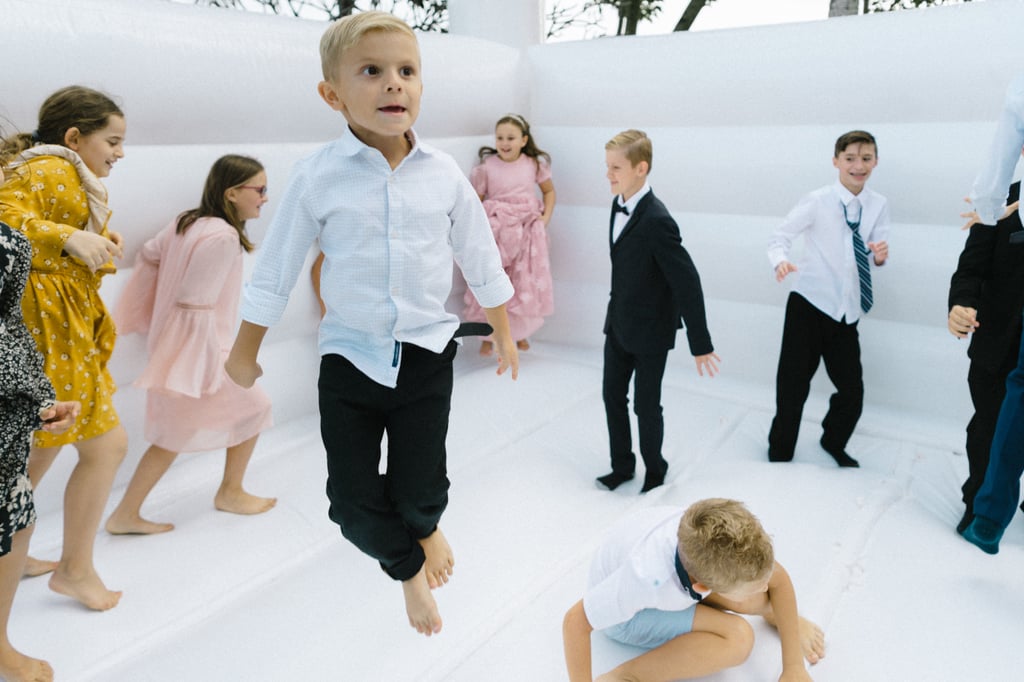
(420, 604)
(440, 561)
(17, 667)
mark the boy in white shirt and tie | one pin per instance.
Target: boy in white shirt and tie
(845, 226)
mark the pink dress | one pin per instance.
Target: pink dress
(184, 293)
(514, 209)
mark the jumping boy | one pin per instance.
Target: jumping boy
(390, 215)
(664, 580)
(654, 285)
(845, 226)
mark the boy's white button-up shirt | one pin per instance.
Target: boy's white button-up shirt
(993, 182)
(389, 238)
(634, 569)
(826, 273)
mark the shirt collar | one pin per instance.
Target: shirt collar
(350, 145)
(846, 196)
(635, 199)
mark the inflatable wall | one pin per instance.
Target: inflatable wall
(743, 123)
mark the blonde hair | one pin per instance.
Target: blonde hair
(347, 31)
(723, 545)
(635, 145)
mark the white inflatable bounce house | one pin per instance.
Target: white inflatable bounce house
(743, 122)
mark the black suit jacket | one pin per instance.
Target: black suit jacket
(654, 284)
(990, 279)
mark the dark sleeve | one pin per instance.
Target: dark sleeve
(681, 274)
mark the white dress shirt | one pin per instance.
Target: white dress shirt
(993, 182)
(826, 273)
(389, 238)
(634, 569)
(621, 218)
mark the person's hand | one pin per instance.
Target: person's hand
(707, 362)
(59, 416)
(117, 239)
(244, 374)
(881, 251)
(508, 356)
(91, 249)
(962, 321)
(973, 219)
(783, 269)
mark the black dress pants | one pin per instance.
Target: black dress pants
(810, 336)
(384, 515)
(649, 368)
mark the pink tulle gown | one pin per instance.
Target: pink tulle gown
(514, 209)
(184, 293)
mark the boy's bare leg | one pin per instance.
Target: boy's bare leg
(14, 665)
(127, 517)
(84, 498)
(39, 462)
(420, 604)
(231, 497)
(812, 638)
(439, 561)
(718, 641)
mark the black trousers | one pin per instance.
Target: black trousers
(810, 336)
(385, 515)
(619, 367)
(988, 388)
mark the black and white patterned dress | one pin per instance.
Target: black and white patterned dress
(24, 389)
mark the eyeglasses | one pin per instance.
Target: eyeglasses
(262, 189)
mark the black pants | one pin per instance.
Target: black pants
(385, 515)
(808, 337)
(619, 367)
(988, 388)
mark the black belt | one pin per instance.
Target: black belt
(473, 329)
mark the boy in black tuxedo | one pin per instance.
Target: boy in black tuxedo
(654, 286)
(986, 295)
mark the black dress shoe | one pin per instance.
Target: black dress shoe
(653, 480)
(614, 480)
(840, 456)
(965, 521)
(776, 457)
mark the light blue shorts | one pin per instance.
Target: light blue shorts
(651, 628)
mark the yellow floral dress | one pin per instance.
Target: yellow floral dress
(45, 198)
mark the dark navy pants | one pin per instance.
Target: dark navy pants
(385, 515)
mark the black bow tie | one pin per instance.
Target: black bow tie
(619, 208)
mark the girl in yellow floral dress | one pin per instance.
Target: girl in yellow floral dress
(54, 196)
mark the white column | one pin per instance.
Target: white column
(517, 22)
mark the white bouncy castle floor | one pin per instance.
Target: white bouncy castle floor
(282, 596)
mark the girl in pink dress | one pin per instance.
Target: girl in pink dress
(506, 179)
(184, 293)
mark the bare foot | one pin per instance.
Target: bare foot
(119, 524)
(241, 502)
(440, 561)
(17, 667)
(812, 639)
(420, 605)
(89, 590)
(486, 349)
(34, 567)
(523, 344)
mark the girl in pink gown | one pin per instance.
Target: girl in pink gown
(507, 179)
(184, 293)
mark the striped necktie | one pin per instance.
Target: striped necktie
(860, 252)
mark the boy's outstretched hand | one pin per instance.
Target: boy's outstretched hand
(508, 357)
(707, 362)
(881, 251)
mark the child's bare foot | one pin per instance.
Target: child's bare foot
(486, 349)
(34, 567)
(523, 344)
(133, 524)
(812, 639)
(241, 502)
(88, 589)
(17, 667)
(420, 605)
(440, 561)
